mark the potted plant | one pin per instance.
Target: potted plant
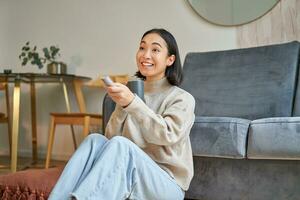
(30, 55)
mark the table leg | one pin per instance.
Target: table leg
(8, 115)
(66, 95)
(79, 96)
(15, 125)
(33, 122)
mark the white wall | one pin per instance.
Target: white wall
(95, 37)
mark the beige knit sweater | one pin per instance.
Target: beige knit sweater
(160, 127)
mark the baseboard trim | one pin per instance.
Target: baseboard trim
(41, 154)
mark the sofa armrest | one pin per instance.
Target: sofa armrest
(219, 137)
(274, 138)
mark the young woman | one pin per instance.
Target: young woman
(146, 152)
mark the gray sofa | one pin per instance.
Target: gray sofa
(246, 136)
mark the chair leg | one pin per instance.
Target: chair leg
(86, 126)
(50, 141)
(73, 137)
(9, 134)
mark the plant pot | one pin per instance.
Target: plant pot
(57, 68)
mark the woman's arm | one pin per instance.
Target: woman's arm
(168, 127)
(165, 128)
(116, 122)
(122, 96)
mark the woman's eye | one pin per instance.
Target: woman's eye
(155, 50)
(141, 48)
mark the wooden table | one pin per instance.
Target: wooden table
(32, 78)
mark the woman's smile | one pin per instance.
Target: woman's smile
(147, 64)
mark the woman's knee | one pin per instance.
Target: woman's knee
(120, 147)
(120, 140)
(95, 138)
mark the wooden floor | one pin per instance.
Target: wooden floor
(25, 163)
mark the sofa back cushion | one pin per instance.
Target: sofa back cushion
(248, 83)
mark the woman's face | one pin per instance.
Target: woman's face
(152, 57)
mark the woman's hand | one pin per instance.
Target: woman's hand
(120, 94)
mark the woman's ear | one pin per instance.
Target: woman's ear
(171, 60)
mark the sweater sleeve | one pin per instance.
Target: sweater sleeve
(168, 127)
(116, 122)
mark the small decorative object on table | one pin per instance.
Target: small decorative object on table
(30, 54)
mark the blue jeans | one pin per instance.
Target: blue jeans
(114, 169)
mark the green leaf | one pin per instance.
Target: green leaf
(55, 52)
(39, 64)
(35, 56)
(27, 43)
(46, 53)
(53, 48)
(30, 55)
(22, 55)
(24, 61)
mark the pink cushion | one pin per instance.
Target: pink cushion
(33, 184)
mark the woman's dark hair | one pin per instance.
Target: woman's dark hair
(174, 72)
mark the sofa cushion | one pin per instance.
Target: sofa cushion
(250, 83)
(274, 138)
(29, 184)
(219, 137)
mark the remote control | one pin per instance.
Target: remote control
(107, 81)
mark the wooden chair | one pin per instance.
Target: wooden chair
(5, 117)
(83, 118)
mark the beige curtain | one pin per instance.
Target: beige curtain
(281, 24)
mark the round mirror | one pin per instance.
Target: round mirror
(232, 12)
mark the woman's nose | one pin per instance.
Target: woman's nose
(147, 54)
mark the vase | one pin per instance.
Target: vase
(57, 68)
